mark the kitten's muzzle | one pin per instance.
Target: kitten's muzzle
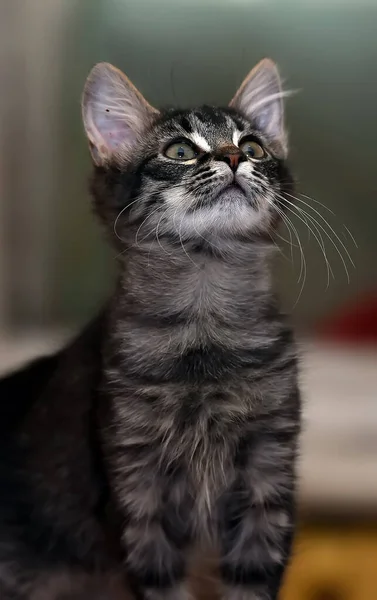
(232, 156)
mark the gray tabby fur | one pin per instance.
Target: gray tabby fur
(197, 441)
(185, 388)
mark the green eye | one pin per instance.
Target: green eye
(252, 149)
(180, 151)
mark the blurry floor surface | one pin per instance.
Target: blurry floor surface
(330, 562)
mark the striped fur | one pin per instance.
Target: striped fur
(171, 423)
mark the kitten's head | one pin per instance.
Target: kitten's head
(187, 175)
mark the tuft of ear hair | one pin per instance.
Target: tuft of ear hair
(260, 99)
(114, 113)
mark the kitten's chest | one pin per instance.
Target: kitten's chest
(203, 439)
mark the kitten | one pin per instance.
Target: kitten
(172, 421)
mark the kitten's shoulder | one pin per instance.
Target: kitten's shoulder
(21, 388)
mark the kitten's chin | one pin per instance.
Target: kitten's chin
(233, 214)
(233, 191)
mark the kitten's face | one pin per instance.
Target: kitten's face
(206, 173)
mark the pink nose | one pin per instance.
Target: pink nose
(233, 160)
(231, 155)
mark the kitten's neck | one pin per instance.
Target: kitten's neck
(166, 282)
(191, 315)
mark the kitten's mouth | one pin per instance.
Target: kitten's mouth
(234, 191)
(233, 188)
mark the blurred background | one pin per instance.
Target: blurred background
(55, 269)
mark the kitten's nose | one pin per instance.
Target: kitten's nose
(232, 156)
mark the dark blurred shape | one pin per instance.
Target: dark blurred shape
(328, 594)
(354, 323)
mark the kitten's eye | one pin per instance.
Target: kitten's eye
(252, 149)
(180, 151)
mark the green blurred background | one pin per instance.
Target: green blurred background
(55, 266)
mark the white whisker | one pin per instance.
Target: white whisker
(328, 225)
(328, 236)
(180, 236)
(141, 225)
(118, 217)
(158, 239)
(351, 236)
(303, 216)
(303, 267)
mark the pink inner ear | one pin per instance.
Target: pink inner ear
(111, 127)
(114, 112)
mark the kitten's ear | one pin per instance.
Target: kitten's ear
(260, 99)
(114, 113)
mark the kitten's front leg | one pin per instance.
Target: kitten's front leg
(157, 531)
(155, 562)
(257, 518)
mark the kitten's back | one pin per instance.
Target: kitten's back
(20, 389)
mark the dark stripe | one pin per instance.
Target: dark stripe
(285, 502)
(249, 575)
(204, 169)
(174, 521)
(237, 118)
(202, 177)
(175, 319)
(134, 453)
(114, 189)
(213, 115)
(189, 410)
(204, 114)
(204, 248)
(151, 398)
(285, 365)
(212, 361)
(209, 362)
(269, 354)
(185, 124)
(199, 116)
(153, 199)
(244, 449)
(148, 577)
(236, 504)
(253, 441)
(167, 172)
(204, 158)
(268, 370)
